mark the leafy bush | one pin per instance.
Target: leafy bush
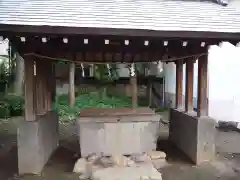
(15, 104)
(86, 100)
(4, 109)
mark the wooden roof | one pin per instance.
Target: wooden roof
(165, 18)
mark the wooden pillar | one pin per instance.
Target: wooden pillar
(134, 91)
(71, 83)
(45, 86)
(149, 92)
(30, 109)
(40, 87)
(202, 102)
(133, 81)
(189, 85)
(49, 86)
(53, 82)
(179, 80)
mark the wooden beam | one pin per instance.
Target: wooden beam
(179, 80)
(71, 84)
(202, 103)
(189, 85)
(30, 109)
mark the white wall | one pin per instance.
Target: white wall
(170, 80)
(123, 70)
(4, 47)
(224, 89)
(223, 82)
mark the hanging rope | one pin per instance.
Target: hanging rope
(68, 60)
(132, 70)
(83, 73)
(109, 71)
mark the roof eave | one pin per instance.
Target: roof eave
(8, 29)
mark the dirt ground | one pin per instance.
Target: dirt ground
(226, 166)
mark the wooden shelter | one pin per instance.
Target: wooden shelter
(115, 31)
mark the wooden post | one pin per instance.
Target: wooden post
(40, 87)
(133, 81)
(202, 102)
(149, 91)
(189, 85)
(30, 109)
(71, 83)
(53, 82)
(45, 85)
(179, 80)
(134, 91)
(48, 86)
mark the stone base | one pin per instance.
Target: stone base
(113, 131)
(194, 136)
(142, 172)
(36, 142)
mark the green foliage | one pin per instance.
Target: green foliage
(101, 72)
(11, 105)
(4, 109)
(15, 104)
(87, 100)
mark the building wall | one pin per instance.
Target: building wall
(4, 47)
(224, 89)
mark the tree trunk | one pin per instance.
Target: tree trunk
(71, 84)
(19, 75)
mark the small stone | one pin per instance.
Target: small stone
(159, 177)
(106, 161)
(130, 163)
(92, 158)
(157, 155)
(159, 163)
(83, 176)
(138, 158)
(144, 178)
(80, 166)
(123, 161)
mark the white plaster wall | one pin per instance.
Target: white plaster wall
(4, 47)
(224, 89)
(223, 85)
(123, 70)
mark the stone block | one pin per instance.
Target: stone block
(193, 135)
(157, 155)
(36, 142)
(112, 133)
(144, 171)
(80, 166)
